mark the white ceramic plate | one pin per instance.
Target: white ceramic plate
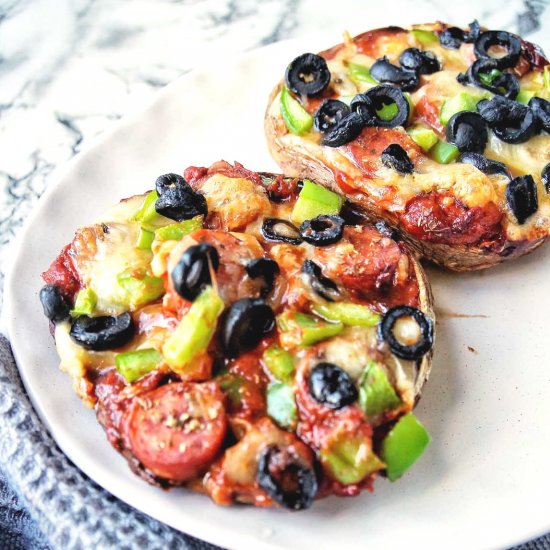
(483, 482)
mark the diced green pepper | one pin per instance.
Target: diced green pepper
(296, 118)
(350, 459)
(176, 231)
(423, 137)
(403, 445)
(281, 405)
(231, 384)
(360, 73)
(353, 315)
(313, 201)
(194, 332)
(376, 394)
(425, 37)
(85, 302)
(487, 78)
(147, 211)
(135, 364)
(444, 152)
(308, 329)
(546, 77)
(145, 239)
(389, 111)
(524, 96)
(279, 362)
(140, 290)
(460, 102)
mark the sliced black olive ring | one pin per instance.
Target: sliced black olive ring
(102, 333)
(519, 130)
(384, 71)
(541, 109)
(307, 75)
(322, 286)
(420, 61)
(167, 181)
(345, 130)
(181, 203)
(452, 37)
(505, 84)
(329, 114)
(498, 38)
(394, 156)
(521, 196)
(331, 386)
(322, 230)
(412, 351)
(545, 177)
(376, 98)
(473, 33)
(286, 479)
(467, 131)
(280, 231)
(192, 272)
(499, 110)
(485, 165)
(267, 269)
(56, 307)
(244, 324)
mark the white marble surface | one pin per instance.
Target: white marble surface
(70, 69)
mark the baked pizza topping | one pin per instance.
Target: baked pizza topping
(239, 364)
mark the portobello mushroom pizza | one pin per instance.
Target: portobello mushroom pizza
(246, 335)
(440, 131)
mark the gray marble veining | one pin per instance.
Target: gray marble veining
(69, 69)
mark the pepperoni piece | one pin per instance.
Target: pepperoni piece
(176, 430)
(62, 273)
(442, 218)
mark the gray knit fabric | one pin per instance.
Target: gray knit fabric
(48, 503)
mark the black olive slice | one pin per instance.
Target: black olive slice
(383, 71)
(322, 286)
(521, 196)
(413, 351)
(394, 156)
(468, 131)
(102, 333)
(322, 230)
(167, 181)
(485, 165)
(498, 38)
(499, 110)
(280, 231)
(181, 203)
(473, 33)
(331, 386)
(307, 75)
(541, 109)
(376, 98)
(353, 214)
(244, 324)
(505, 84)
(518, 131)
(329, 114)
(56, 307)
(285, 478)
(451, 38)
(344, 131)
(545, 177)
(267, 269)
(422, 62)
(192, 272)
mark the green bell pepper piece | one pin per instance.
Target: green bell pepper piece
(140, 290)
(311, 329)
(546, 77)
(350, 459)
(145, 239)
(84, 303)
(425, 37)
(403, 445)
(353, 315)
(176, 231)
(487, 78)
(444, 152)
(376, 394)
(389, 111)
(296, 118)
(135, 364)
(423, 137)
(281, 405)
(524, 96)
(194, 332)
(147, 211)
(360, 73)
(460, 102)
(231, 384)
(279, 362)
(313, 201)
